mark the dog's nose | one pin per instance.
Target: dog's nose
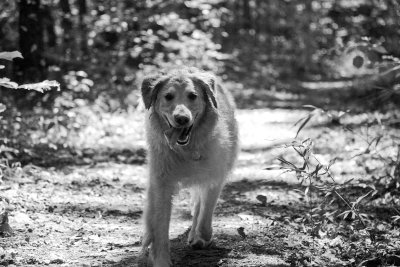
(181, 120)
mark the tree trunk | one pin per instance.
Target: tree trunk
(247, 18)
(66, 25)
(82, 7)
(307, 37)
(32, 67)
(48, 26)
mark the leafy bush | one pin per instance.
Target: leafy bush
(5, 82)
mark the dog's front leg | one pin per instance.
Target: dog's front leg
(157, 216)
(200, 235)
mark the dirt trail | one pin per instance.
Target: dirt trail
(90, 215)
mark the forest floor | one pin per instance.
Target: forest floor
(87, 212)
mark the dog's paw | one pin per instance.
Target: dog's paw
(148, 259)
(143, 259)
(161, 259)
(162, 262)
(199, 243)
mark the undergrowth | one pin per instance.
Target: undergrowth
(348, 204)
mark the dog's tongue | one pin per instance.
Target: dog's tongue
(172, 135)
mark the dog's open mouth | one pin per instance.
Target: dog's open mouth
(179, 136)
(184, 136)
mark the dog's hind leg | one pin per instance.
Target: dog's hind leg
(157, 217)
(201, 233)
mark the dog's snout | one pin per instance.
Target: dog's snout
(181, 120)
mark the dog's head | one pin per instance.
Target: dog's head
(180, 98)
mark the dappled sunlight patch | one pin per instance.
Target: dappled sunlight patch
(265, 127)
(118, 130)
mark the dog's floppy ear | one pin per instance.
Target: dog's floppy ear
(208, 84)
(151, 85)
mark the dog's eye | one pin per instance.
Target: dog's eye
(192, 96)
(169, 97)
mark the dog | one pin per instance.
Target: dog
(192, 138)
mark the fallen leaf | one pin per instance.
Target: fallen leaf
(241, 232)
(262, 199)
